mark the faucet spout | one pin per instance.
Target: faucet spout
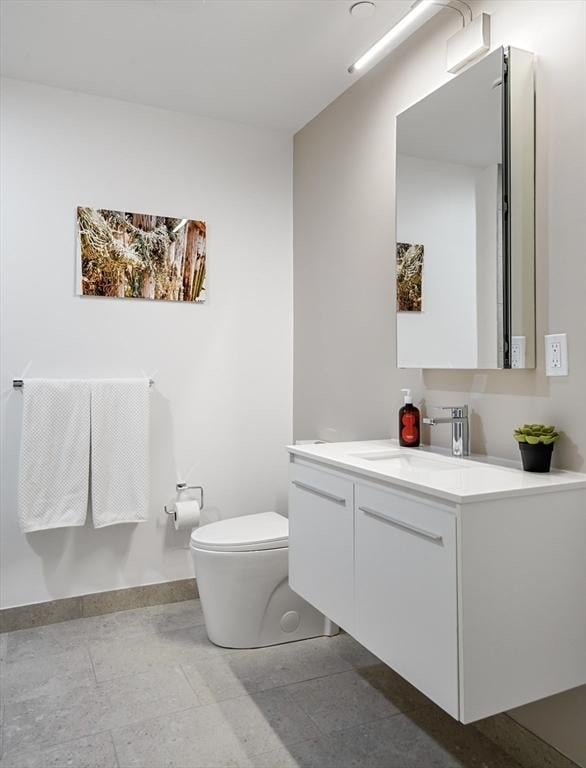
(460, 428)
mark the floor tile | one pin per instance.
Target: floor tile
(276, 758)
(68, 635)
(393, 687)
(351, 651)
(116, 658)
(45, 675)
(267, 720)
(325, 752)
(165, 618)
(172, 699)
(194, 738)
(235, 674)
(93, 708)
(408, 741)
(39, 641)
(3, 646)
(259, 669)
(304, 660)
(468, 747)
(226, 677)
(341, 701)
(395, 742)
(91, 752)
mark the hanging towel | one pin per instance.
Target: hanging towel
(119, 451)
(54, 454)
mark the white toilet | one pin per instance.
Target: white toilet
(241, 565)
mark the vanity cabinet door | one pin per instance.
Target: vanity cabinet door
(406, 590)
(321, 541)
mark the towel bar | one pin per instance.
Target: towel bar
(19, 383)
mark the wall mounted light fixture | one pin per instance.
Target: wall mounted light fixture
(383, 44)
(420, 12)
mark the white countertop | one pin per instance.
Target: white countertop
(472, 479)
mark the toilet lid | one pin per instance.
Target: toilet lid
(249, 533)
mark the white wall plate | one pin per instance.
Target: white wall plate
(556, 354)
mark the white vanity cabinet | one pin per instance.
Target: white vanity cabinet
(479, 603)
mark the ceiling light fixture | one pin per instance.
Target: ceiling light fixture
(416, 10)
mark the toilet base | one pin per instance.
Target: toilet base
(247, 601)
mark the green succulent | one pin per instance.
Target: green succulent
(534, 434)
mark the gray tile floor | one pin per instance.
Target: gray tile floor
(146, 689)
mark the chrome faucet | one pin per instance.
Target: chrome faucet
(460, 428)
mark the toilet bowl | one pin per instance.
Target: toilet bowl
(241, 566)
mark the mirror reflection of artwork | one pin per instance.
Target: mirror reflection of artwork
(139, 256)
(409, 277)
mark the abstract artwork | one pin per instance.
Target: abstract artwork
(140, 256)
(409, 277)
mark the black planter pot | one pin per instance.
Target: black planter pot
(536, 458)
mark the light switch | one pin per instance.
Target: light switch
(556, 354)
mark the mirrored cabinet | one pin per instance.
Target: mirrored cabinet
(465, 230)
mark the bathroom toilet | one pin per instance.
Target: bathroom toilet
(241, 565)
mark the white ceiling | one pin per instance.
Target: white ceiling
(274, 63)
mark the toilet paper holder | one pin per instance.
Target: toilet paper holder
(180, 488)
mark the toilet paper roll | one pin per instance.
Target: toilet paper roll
(186, 514)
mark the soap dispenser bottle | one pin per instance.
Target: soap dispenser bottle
(408, 422)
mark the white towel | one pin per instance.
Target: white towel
(119, 452)
(54, 454)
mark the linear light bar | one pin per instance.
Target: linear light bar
(394, 32)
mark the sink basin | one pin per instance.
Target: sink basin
(411, 461)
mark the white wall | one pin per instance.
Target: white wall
(221, 407)
(346, 380)
(436, 207)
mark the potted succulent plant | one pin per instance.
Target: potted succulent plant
(536, 443)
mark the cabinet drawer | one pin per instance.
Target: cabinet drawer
(321, 541)
(406, 590)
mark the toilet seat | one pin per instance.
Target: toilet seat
(248, 533)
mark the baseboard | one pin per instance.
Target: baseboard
(53, 611)
(521, 744)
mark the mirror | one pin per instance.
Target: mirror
(465, 275)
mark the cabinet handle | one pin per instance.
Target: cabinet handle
(401, 524)
(319, 492)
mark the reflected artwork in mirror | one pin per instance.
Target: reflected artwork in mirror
(409, 277)
(465, 198)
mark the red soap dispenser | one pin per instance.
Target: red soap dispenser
(408, 423)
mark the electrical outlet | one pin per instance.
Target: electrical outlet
(518, 347)
(556, 354)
